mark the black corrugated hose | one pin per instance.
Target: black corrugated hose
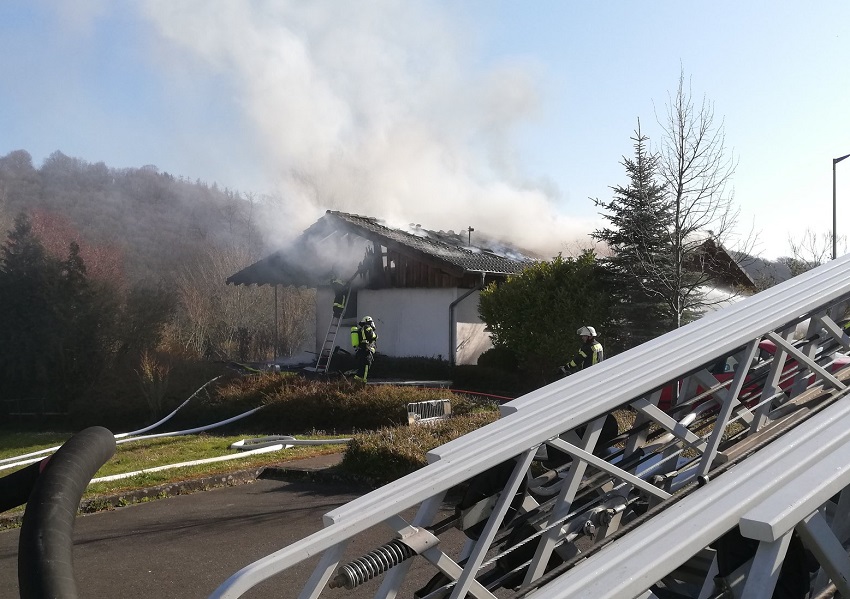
(45, 566)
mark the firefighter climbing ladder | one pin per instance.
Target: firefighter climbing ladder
(764, 452)
(323, 363)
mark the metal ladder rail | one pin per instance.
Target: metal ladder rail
(324, 361)
(800, 505)
(648, 554)
(323, 364)
(543, 415)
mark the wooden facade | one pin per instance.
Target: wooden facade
(390, 268)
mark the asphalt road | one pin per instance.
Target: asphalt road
(186, 546)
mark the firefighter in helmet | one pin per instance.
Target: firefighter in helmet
(363, 338)
(589, 353)
(340, 289)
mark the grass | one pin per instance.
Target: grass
(14, 443)
(375, 416)
(149, 453)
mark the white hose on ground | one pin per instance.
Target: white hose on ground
(189, 431)
(22, 460)
(164, 420)
(222, 458)
(262, 445)
(247, 444)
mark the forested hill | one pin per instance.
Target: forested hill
(156, 221)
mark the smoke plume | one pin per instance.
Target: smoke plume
(375, 108)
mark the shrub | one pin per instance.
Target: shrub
(297, 405)
(387, 367)
(342, 406)
(500, 358)
(119, 403)
(491, 380)
(389, 453)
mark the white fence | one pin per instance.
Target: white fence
(424, 412)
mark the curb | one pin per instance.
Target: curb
(284, 472)
(331, 475)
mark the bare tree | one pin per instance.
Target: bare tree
(695, 171)
(235, 321)
(810, 251)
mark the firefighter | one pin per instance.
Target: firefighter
(363, 338)
(588, 354)
(340, 289)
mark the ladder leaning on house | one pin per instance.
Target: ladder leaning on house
(323, 364)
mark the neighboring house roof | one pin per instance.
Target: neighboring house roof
(764, 272)
(726, 265)
(305, 263)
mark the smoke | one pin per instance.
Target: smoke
(375, 108)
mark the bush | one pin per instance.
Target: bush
(500, 358)
(491, 380)
(387, 367)
(119, 404)
(389, 453)
(297, 405)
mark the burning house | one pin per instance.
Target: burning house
(420, 286)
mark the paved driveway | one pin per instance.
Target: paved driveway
(186, 546)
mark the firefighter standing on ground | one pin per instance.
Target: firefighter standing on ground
(363, 338)
(589, 353)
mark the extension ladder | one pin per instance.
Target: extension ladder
(324, 361)
(762, 454)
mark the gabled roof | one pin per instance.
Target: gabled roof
(305, 264)
(726, 265)
(447, 247)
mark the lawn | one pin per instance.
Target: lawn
(134, 456)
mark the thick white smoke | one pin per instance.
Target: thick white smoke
(374, 108)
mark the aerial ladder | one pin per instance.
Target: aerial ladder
(738, 488)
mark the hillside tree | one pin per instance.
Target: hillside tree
(27, 276)
(58, 326)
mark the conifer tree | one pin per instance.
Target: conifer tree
(27, 291)
(58, 327)
(639, 238)
(82, 344)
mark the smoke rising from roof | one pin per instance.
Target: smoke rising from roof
(374, 109)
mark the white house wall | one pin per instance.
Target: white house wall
(413, 322)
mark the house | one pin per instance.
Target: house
(420, 286)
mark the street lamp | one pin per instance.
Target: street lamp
(834, 237)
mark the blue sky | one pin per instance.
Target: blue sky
(504, 116)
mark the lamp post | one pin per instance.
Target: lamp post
(834, 236)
